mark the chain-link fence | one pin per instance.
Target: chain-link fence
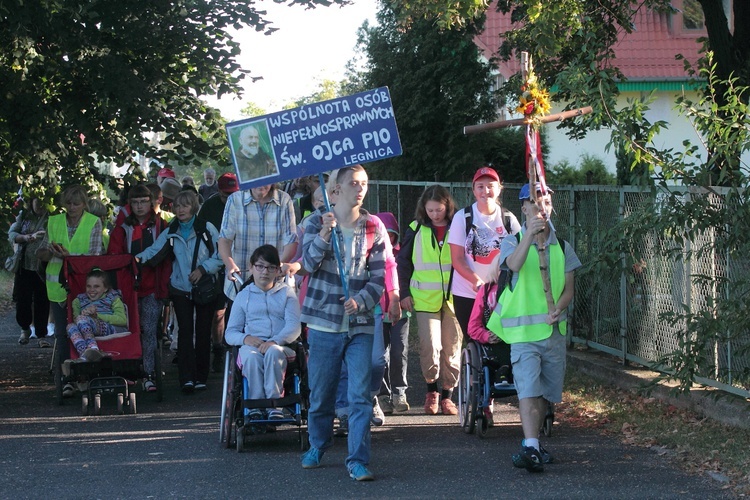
(618, 311)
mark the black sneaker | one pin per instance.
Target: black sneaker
(528, 458)
(547, 458)
(503, 375)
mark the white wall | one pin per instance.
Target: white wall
(559, 147)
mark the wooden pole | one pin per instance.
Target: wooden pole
(518, 122)
(541, 239)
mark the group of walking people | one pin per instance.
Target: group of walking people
(163, 241)
(361, 283)
(446, 257)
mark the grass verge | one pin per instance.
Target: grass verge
(6, 291)
(696, 444)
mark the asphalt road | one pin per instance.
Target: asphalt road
(171, 449)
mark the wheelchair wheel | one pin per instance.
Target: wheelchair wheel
(468, 393)
(482, 427)
(227, 402)
(240, 439)
(304, 440)
(549, 419)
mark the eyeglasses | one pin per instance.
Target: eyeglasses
(260, 268)
(140, 202)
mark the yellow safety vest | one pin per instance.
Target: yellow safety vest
(57, 231)
(429, 284)
(521, 313)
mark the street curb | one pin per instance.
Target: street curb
(729, 409)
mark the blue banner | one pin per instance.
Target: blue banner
(314, 138)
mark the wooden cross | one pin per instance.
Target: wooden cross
(532, 169)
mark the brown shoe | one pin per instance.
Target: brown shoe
(448, 407)
(431, 403)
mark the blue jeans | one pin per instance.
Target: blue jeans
(376, 377)
(396, 338)
(327, 352)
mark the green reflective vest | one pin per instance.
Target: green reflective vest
(430, 281)
(57, 232)
(521, 313)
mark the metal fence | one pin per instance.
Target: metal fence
(615, 311)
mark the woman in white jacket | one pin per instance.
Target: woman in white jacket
(264, 320)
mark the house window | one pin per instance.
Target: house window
(692, 15)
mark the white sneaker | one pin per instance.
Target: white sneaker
(399, 403)
(50, 329)
(378, 418)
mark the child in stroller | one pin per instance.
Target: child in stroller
(98, 312)
(114, 372)
(263, 321)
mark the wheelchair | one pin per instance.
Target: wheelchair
(236, 425)
(479, 383)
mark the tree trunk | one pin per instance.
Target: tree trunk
(731, 51)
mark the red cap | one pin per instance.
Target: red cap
(486, 172)
(228, 183)
(166, 172)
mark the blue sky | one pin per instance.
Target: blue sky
(310, 45)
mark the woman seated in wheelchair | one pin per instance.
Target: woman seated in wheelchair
(97, 313)
(263, 321)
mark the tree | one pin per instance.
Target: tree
(85, 82)
(590, 170)
(327, 89)
(575, 38)
(252, 109)
(438, 85)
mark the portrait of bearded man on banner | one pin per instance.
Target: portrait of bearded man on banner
(251, 160)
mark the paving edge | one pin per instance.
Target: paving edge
(729, 409)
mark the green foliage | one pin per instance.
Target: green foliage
(699, 224)
(88, 82)
(252, 109)
(571, 42)
(327, 89)
(590, 170)
(438, 85)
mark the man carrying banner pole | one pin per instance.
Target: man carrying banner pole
(340, 320)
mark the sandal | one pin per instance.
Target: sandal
(149, 386)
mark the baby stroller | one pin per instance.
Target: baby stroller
(123, 363)
(236, 424)
(481, 380)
